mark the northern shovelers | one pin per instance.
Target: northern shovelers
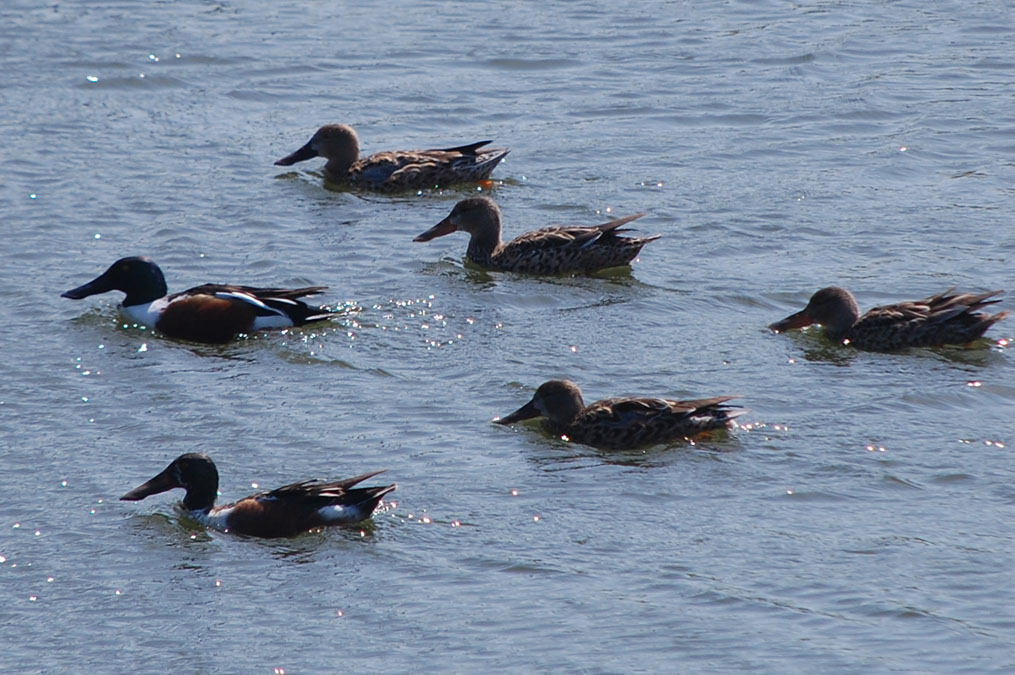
(396, 169)
(284, 512)
(945, 318)
(619, 423)
(212, 313)
(566, 249)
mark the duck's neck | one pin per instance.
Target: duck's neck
(145, 289)
(201, 495)
(837, 327)
(484, 246)
(565, 412)
(339, 163)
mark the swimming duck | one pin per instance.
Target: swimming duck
(945, 318)
(212, 313)
(566, 249)
(618, 423)
(396, 169)
(283, 512)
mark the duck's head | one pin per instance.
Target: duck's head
(194, 472)
(833, 307)
(338, 143)
(475, 215)
(137, 276)
(560, 401)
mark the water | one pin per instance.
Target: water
(862, 521)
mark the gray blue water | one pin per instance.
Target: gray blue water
(861, 521)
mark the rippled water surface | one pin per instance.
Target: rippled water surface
(861, 521)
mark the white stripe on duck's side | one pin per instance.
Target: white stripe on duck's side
(336, 513)
(276, 319)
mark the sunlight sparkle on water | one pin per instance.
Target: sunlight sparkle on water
(974, 383)
(875, 448)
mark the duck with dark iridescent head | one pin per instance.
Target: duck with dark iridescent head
(283, 512)
(620, 423)
(942, 319)
(213, 313)
(395, 170)
(563, 249)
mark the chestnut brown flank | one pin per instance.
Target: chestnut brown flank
(273, 518)
(206, 318)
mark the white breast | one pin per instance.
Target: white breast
(216, 520)
(146, 314)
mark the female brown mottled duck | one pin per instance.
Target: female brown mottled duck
(566, 249)
(396, 169)
(945, 318)
(618, 423)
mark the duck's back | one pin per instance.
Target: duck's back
(945, 318)
(631, 422)
(567, 249)
(422, 169)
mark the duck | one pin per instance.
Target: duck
(623, 423)
(948, 318)
(212, 313)
(395, 170)
(559, 250)
(284, 512)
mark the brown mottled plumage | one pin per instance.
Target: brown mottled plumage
(617, 423)
(396, 169)
(945, 318)
(566, 249)
(283, 512)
